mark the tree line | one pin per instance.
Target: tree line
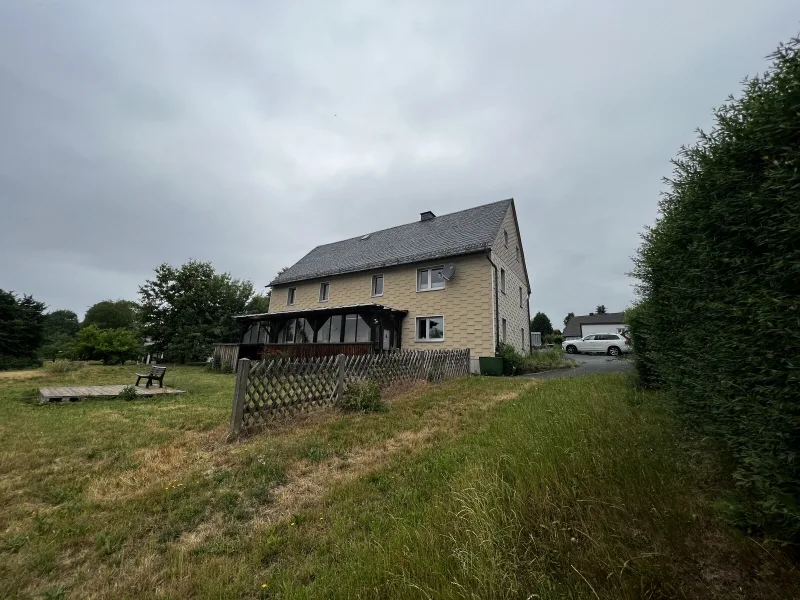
(180, 314)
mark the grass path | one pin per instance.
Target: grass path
(477, 488)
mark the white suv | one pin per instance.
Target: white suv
(607, 343)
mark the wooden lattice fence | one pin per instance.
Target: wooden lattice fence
(283, 387)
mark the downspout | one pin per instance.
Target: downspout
(496, 303)
(528, 329)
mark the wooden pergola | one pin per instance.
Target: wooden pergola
(354, 329)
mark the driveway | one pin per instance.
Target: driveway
(587, 365)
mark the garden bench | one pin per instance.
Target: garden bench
(155, 374)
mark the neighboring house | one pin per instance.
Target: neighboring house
(577, 327)
(392, 289)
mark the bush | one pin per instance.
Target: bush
(719, 278)
(515, 363)
(127, 393)
(362, 395)
(63, 366)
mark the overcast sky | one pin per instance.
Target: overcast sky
(245, 133)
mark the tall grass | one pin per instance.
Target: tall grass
(63, 366)
(581, 488)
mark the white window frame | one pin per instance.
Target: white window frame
(502, 280)
(427, 327)
(328, 289)
(291, 296)
(383, 285)
(429, 288)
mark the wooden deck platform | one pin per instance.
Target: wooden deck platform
(73, 394)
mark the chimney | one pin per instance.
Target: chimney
(426, 216)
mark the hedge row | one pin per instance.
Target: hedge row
(719, 323)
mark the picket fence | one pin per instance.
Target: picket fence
(282, 387)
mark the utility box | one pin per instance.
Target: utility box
(491, 365)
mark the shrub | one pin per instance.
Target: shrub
(127, 393)
(719, 278)
(362, 395)
(515, 363)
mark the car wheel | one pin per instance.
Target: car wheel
(571, 349)
(613, 351)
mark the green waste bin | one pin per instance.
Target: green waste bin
(491, 365)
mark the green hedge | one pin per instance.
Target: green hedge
(720, 279)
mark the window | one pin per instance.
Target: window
(350, 324)
(336, 328)
(290, 296)
(504, 331)
(286, 334)
(521, 298)
(330, 331)
(430, 329)
(430, 279)
(377, 285)
(588, 338)
(522, 337)
(505, 238)
(324, 291)
(356, 329)
(503, 280)
(364, 331)
(305, 332)
(516, 250)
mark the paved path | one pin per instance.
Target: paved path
(587, 365)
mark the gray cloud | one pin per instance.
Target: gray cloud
(246, 133)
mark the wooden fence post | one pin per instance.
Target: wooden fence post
(340, 364)
(240, 395)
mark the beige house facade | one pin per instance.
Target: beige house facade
(455, 281)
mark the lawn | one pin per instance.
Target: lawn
(476, 488)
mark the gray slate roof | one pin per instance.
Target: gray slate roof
(573, 327)
(462, 232)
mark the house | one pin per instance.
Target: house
(579, 326)
(452, 281)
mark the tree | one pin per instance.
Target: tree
(21, 329)
(186, 310)
(60, 327)
(60, 323)
(112, 346)
(568, 317)
(258, 304)
(601, 309)
(541, 323)
(113, 314)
